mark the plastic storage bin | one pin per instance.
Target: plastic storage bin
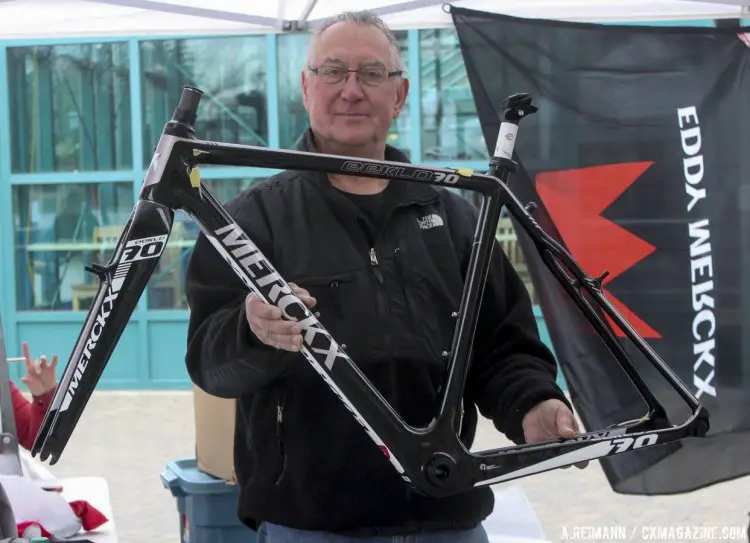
(207, 506)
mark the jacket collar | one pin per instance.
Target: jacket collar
(404, 192)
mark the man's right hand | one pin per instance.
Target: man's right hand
(266, 323)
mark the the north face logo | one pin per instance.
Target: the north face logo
(430, 221)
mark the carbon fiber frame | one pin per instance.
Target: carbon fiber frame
(432, 458)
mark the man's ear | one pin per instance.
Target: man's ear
(305, 82)
(401, 94)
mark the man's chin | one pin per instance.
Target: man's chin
(354, 138)
(348, 140)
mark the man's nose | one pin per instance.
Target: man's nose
(352, 89)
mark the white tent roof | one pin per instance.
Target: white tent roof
(35, 19)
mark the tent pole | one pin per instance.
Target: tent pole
(306, 12)
(742, 3)
(280, 13)
(155, 5)
(389, 10)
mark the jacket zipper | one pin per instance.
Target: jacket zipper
(382, 301)
(400, 271)
(279, 439)
(385, 312)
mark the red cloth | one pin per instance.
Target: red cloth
(23, 526)
(29, 414)
(91, 518)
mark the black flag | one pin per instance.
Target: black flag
(639, 160)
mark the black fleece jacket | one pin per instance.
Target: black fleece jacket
(301, 459)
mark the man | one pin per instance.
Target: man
(382, 263)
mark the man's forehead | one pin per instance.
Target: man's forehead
(346, 43)
(361, 62)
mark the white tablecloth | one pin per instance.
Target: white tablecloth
(95, 491)
(513, 520)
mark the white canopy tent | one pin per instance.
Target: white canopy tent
(40, 19)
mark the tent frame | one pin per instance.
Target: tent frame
(303, 23)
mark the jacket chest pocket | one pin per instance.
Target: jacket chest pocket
(343, 308)
(328, 292)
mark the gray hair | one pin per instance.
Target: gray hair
(362, 18)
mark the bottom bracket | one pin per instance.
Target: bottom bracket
(439, 469)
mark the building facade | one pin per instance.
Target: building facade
(78, 124)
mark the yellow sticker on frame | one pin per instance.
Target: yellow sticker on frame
(195, 177)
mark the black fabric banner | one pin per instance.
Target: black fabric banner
(639, 159)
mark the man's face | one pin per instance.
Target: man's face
(353, 113)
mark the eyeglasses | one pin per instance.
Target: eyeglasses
(371, 77)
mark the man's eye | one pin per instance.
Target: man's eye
(333, 72)
(372, 74)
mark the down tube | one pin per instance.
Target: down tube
(322, 351)
(128, 271)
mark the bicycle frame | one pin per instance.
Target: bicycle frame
(432, 459)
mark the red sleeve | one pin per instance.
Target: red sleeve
(29, 415)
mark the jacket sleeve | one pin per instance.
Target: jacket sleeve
(512, 369)
(224, 358)
(28, 415)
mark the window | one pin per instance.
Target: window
(232, 73)
(70, 108)
(293, 119)
(166, 289)
(399, 136)
(291, 58)
(58, 230)
(450, 125)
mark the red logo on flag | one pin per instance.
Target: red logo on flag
(575, 200)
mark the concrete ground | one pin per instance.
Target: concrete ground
(129, 437)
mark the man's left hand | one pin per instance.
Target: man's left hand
(550, 419)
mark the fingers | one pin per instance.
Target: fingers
(268, 326)
(26, 353)
(566, 422)
(286, 342)
(567, 427)
(570, 426)
(260, 310)
(29, 367)
(36, 366)
(33, 370)
(304, 295)
(279, 334)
